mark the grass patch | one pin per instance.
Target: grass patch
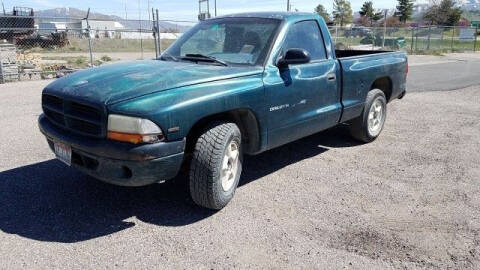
(76, 62)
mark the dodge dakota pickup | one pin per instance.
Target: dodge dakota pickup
(232, 85)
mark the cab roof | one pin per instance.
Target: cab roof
(286, 16)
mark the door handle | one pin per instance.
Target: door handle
(331, 77)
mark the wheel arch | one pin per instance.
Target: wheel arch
(245, 119)
(385, 84)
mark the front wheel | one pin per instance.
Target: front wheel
(368, 126)
(216, 165)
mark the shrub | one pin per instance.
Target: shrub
(106, 58)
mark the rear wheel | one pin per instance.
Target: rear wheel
(216, 165)
(369, 125)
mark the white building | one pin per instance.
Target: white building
(102, 29)
(138, 35)
(52, 27)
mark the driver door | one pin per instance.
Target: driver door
(303, 98)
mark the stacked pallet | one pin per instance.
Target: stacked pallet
(8, 63)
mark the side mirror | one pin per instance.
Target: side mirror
(293, 56)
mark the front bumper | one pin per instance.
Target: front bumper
(118, 163)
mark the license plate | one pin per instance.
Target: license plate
(63, 153)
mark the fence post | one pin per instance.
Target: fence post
(384, 28)
(416, 39)
(429, 37)
(89, 38)
(441, 39)
(141, 39)
(154, 34)
(453, 36)
(2, 73)
(348, 40)
(336, 33)
(413, 39)
(384, 36)
(159, 34)
(476, 38)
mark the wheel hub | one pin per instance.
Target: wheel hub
(376, 117)
(230, 162)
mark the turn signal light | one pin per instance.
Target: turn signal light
(125, 137)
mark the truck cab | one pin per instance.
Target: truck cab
(230, 86)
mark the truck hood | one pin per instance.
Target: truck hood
(118, 82)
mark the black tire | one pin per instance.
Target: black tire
(205, 180)
(359, 127)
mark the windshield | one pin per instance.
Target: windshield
(230, 40)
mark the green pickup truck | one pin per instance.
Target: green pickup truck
(232, 85)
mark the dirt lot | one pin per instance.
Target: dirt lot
(410, 199)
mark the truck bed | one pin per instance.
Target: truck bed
(351, 53)
(362, 69)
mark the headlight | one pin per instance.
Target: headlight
(133, 130)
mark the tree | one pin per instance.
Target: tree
(444, 13)
(320, 10)
(368, 12)
(342, 12)
(394, 22)
(362, 20)
(404, 10)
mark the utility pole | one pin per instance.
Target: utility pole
(288, 5)
(215, 8)
(148, 9)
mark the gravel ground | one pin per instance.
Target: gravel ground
(409, 199)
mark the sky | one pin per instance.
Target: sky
(184, 9)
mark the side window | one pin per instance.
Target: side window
(306, 35)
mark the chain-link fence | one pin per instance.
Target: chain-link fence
(430, 39)
(33, 47)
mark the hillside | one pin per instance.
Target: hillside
(75, 13)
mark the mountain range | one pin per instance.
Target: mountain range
(75, 13)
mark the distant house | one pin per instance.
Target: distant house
(473, 18)
(102, 29)
(57, 26)
(138, 35)
(133, 35)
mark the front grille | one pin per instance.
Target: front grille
(76, 117)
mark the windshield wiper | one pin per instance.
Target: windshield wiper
(166, 55)
(202, 57)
